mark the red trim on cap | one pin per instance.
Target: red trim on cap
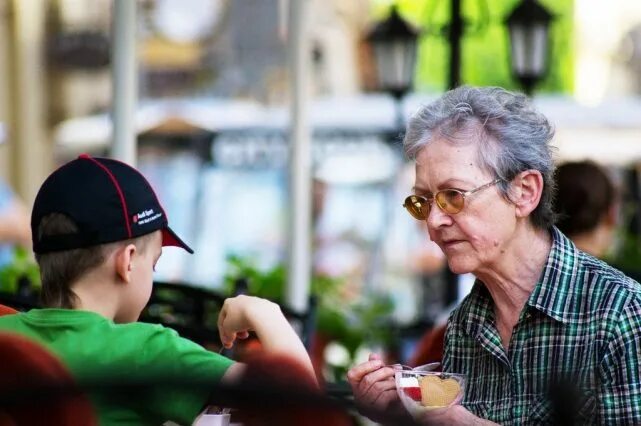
(151, 188)
(118, 189)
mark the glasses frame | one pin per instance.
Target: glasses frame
(414, 199)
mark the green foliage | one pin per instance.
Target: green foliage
(269, 284)
(485, 58)
(350, 324)
(628, 255)
(353, 324)
(22, 267)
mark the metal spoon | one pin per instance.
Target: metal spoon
(425, 367)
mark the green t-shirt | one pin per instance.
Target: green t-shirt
(94, 348)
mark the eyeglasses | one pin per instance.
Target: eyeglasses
(451, 201)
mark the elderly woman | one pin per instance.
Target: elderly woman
(541, 311)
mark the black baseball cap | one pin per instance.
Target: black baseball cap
(108, 200)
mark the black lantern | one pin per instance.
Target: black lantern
(528, 25)
(394, 44)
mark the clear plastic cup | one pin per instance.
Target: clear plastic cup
(420, 391)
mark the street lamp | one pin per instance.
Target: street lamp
(528, 26)
(394, 44)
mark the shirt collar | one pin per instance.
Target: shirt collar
(558, 282)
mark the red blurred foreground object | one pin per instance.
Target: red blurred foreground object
(6, 310)
(286, 376)
(26, 366)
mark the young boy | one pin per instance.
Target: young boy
(98, 231)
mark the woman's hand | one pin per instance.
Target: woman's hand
(374, 390)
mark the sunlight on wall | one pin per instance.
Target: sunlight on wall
(600, 27)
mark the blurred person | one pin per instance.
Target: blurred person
(14, 224)
(335, 255)
(586, 202)
(541, 311)
(98, 231)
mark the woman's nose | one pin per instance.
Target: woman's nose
(437, 217)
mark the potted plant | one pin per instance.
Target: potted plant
(21, 275)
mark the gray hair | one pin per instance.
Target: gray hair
(511, 136)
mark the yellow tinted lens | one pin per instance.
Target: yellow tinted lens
(450, 200)
(417, 206)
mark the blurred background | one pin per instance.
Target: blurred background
(212, 114)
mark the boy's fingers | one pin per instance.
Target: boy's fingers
(228, 339)
(221, 318)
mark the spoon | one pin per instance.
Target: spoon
(425, 367)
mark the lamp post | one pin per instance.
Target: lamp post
(454, 36)
(529, 25)
(394, 44)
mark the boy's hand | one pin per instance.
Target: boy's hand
(242, 314)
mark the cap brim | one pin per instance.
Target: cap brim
(169, 238)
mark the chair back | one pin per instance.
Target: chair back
(191, 311)
(430, 347)
(20, 302)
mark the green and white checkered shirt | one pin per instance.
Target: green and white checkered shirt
(582, 322)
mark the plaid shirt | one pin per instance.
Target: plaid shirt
(582, 322)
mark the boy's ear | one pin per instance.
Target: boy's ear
(125, 262)
(525, 191)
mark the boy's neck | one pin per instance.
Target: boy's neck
(95, 295)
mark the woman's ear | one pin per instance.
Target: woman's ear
(125, 262)
(525, 191)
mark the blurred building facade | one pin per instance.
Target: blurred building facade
(608, 50)
(220, 67)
